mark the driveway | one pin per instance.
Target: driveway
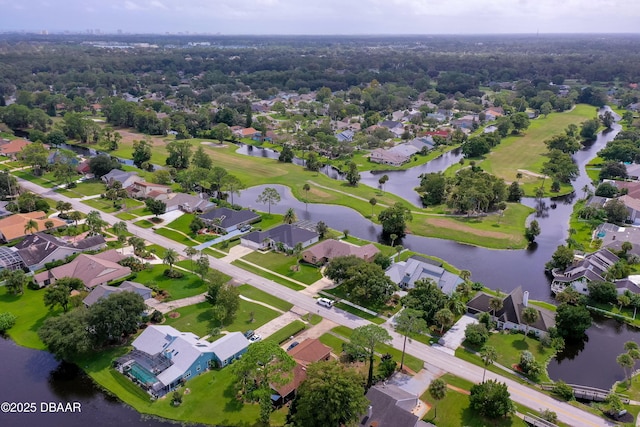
(276, 324)
(454, 336)
(419, 383)
(230, 235)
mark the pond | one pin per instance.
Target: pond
(35, 376)
(592, 361)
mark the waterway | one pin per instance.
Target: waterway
(32, 376)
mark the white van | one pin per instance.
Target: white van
(325, 302)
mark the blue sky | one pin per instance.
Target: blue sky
(323, 16)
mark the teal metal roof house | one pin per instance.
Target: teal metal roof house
(164, 357)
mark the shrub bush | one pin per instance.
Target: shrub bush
(476, 334)
(173, 274)
(563, 390)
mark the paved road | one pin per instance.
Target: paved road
(446, 362)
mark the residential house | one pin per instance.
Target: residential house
(125, 178)
(387, 157)
(597, 202)
(228, 219)
(633, 171)
(246, 133)
(510, 315)
(490, 129)
(93, 270)
(422, 143)
(328, 249)
(440, 133)
(163, 357)
(13, 227)
(185, 202)
(143, 189)
(103, 291)
(391, 406)
(83, 167)
(613, 236)
(585, 269)
(345, 136)
(286, 234)
(633, 207)
(308, 351)
(38, 249)
(58, 156)
(391, 125)
(406, 273)
(465, 122)
(632, 188)
(12, 148)
(439, 117)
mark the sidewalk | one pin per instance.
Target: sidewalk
(165, 307)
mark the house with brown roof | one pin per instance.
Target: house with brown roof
(12, 148)
(308, 351)
(633, 207)
(328, 249)
(40, 248)
(246, 133)
(143, 189)
(13, 227)
(93, 270)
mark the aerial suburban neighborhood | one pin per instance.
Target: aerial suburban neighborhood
(271, 231)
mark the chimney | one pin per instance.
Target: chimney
(370, 412)
(525, 299)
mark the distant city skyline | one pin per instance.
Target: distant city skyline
(316, 17)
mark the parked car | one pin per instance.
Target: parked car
(245, 228)
(325, 302)
(255, 338)
(292, 345)
(249, 334)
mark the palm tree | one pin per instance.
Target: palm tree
(438, 391)
(31, 225)
(585, 190)
(170, 258)
(623, 301)
(631, 345)
(635, 303)
(409, 321)
(488, 355)
(529, 316)
(372, 202)
(306, 187)
(48, 224)
(495, 305)
(75, 216)
(626, 362)
(190, 252)
(444, 317)
(290, 216)
(455, 304)
(393, 238)
(539, 193)
(465, 275)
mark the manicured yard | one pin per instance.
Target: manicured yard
(359, 313)
(187, 286)
(287, 332)
(199, 319)
(171, 234)
(46, 180)
(211, 399)
(144, 223)
(454, 411)
(386, 250)
(268, 220)
(266, 275)
(510, 346)
(182, 223)
(104, 205)
(408, 254)
(332, 341)
(282, 264)
(30, 313)
(125, 216)
(86, 188)
(412, 362)
(258, 295)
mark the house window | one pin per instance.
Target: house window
(187, 374)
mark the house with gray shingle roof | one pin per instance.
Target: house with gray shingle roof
(285, 234)
(124, 178)
(229, 219)
(103, 291)
(164, 357)
(406, 273)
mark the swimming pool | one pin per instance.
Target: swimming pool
(142, 375)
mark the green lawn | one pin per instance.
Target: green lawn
(412, 362)
(211, 399)
(282, 264)
(584, 228)
(381, 309)
(103, 205)
(144, 223)
(526, 151)
(47, 180)
(350, 309)
(172, 234)
(287, 332)
(30, 313)
(284, 282)
(449, 267)
(125, 216)
(87, 188)
(268, 220)
(454, 411)
(199, 318)
(182, 223)
(187, 286)
(258, 295)
(332, 341)
(509, 346)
